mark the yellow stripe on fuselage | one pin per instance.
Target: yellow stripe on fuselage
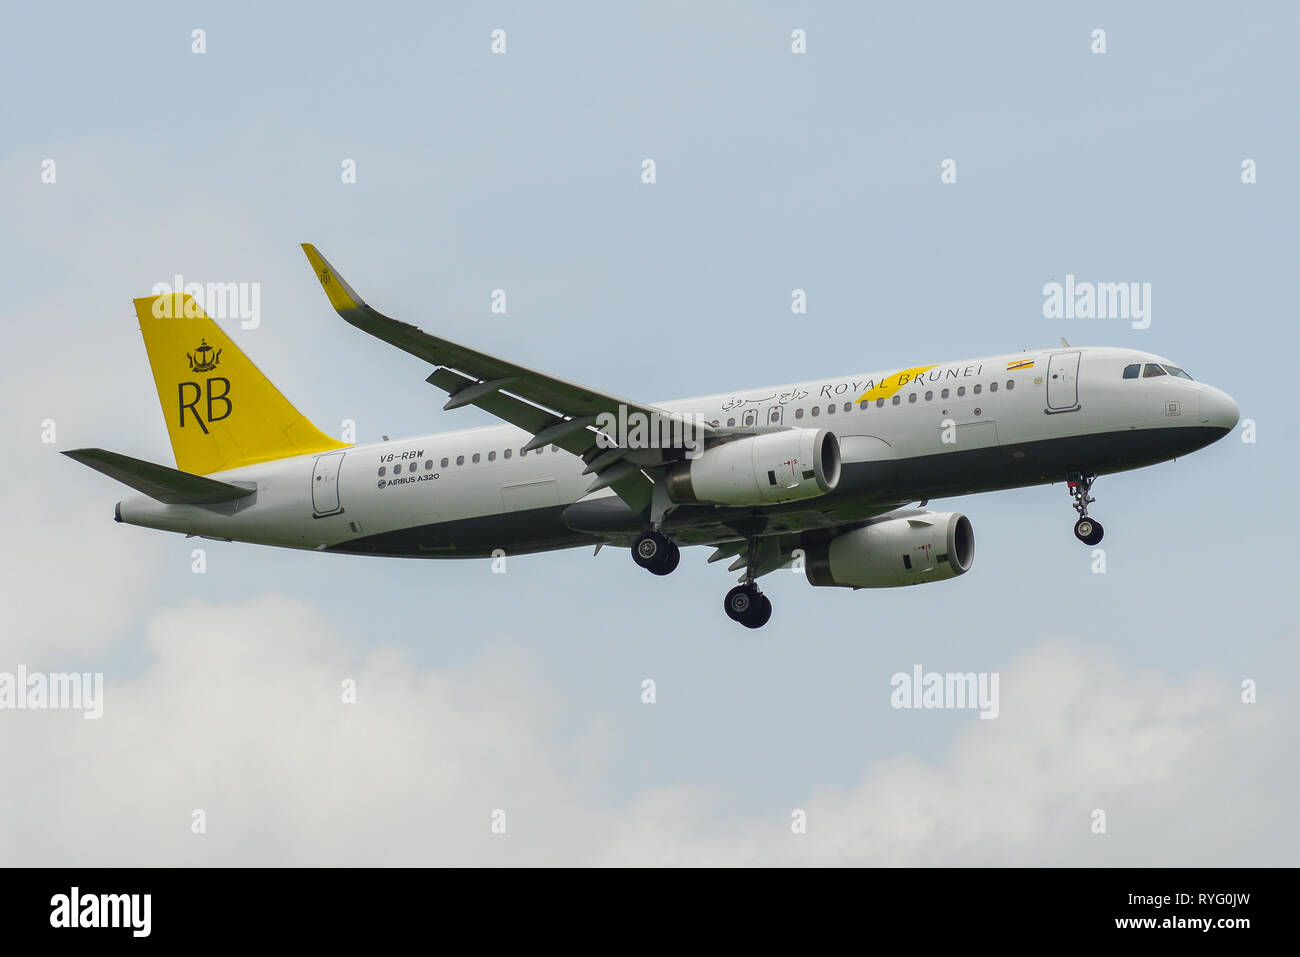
(891, 383)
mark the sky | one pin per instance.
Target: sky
(517, 698)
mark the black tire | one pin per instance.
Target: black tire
(1084, 530)
(669, 560)
(760, 612)
(739, 602)
(1097, 533)
(650, 548)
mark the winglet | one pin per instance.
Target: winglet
(342, 296)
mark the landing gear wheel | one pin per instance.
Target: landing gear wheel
(669, 562)
(655, 552)
(1088, 531)
(1079, 485)
(747, 605)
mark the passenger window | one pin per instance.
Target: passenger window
(929, 396)
(540, 451)
(731, 422)
(460, 460)
(1131, 372)
(816, 411)
(397, 468)
(830, 409)
(382, 471)
(428, 465)
(555, 448)
(798, 413)
(1152, 370)
(880, 403)
(445, 463)
(522, 453)
(848, 406)
(977, 389)
(961, 391)
(993, 387)
(911, 397)
(863, 404)
(943, 394)
(474, 460)
(506, 453)
(1011, 384)
(897, 399)
(492, 456)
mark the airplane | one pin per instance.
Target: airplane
(831, 475)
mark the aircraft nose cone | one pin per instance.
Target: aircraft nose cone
(1219, 410)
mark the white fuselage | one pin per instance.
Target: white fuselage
(465, 493)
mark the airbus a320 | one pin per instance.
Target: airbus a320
(831, 474)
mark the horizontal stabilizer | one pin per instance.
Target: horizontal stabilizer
(167, 485)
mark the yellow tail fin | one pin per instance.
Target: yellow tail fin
(221, 411)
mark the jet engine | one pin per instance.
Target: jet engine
(907, 550)
(763, 469)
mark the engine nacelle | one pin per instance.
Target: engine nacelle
(780, 466)
(922, 547)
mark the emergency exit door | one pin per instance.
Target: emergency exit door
(325, 485)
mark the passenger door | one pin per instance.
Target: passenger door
(1063, 382)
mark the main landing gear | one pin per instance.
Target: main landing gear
(659, 554)
(1086, 530)
(656, 552)
(747, 605)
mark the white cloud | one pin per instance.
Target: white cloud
(240, 713)
(73, 579)
(1075, 734)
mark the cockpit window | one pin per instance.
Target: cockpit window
(1152, 370)
(1131, 372)
(1174, 370)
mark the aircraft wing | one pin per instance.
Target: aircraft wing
(554, 410)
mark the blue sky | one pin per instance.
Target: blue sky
(774, 172)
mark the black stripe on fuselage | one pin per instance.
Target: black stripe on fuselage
(862, 485)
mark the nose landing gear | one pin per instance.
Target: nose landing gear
(1087, 530)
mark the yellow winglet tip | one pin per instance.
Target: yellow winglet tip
(339, 292)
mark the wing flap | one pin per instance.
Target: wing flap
(631, 486)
